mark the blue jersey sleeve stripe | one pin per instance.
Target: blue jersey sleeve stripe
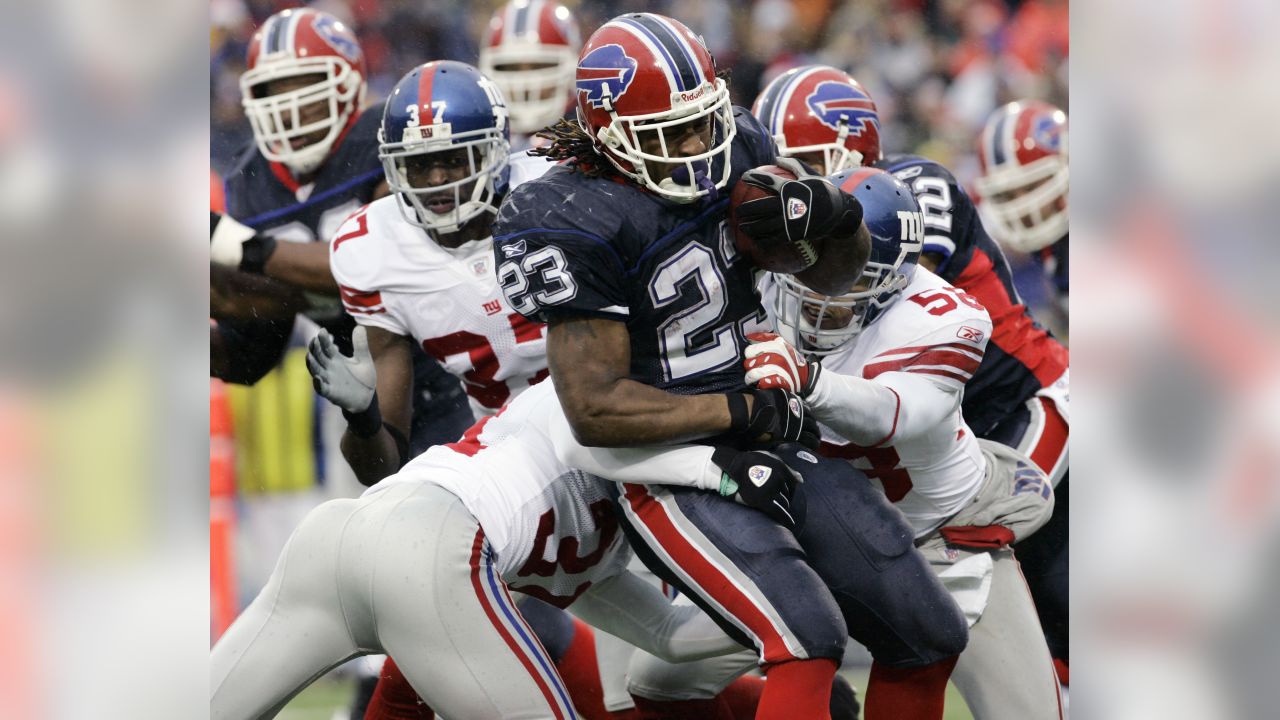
(267, 217)
(563, 231)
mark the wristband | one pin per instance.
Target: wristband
(366, 423)
(257, 250)
(739, 415)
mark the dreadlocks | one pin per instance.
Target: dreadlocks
(570, 142)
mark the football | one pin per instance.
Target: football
(780, 256)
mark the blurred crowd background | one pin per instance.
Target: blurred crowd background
(936, 68)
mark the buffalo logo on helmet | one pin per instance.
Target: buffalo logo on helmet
(1046, 133)
(336, 34)
(604, 72)
(833, 101)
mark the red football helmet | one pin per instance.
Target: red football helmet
(296, 43)
(1024, 181)
(639, 75)
(817, 108)
(532, 53)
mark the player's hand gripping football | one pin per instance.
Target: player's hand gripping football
(772, 362)
(347, 382)
(758, 479)
(775, 416)
(233, 244)
(796, 211)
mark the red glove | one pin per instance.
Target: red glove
(771, 362)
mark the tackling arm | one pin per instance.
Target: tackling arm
(893, 406)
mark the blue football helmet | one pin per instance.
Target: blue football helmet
(821, 324)
(445, 107)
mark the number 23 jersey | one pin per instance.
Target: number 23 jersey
(572, 245)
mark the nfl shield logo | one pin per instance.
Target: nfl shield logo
(758, 474)
(796, 208)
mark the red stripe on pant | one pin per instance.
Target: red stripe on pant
(478, 584)
(1047, 452)
(706, 576)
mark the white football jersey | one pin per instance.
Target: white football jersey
(940, 332)
(392, 276)
(551, 527)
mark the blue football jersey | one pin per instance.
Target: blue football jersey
(262, 195)
(1022, 357)
(567, 244)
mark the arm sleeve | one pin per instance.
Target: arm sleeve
(892, 407)
(684, 465)
(632, 609)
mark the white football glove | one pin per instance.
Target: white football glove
(772, 362)
(347, 382)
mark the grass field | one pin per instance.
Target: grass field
(333, 695)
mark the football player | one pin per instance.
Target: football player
(314, 161)
(1019, 393)
(883, 368)
(421, 567)
(626, 252)
(531, 51)
(1024, 185)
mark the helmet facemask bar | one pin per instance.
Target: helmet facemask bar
(621, 140)
(1033, 219)
(277, 119)
(486, 151)
(538, 97)
(823, 324)
(835, 155)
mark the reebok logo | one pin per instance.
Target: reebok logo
(514, 249)
(759, 475)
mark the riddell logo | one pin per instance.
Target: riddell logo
(691, 96)
(971, 334)
(796, 208)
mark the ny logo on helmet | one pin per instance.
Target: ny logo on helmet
(606, 71)
(332, 32)
(832, 102)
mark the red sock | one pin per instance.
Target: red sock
(1064, 671)
(713, 709)
(798, 689)
(394, 698)
(743, 696)
(581, 673)
(917, 693)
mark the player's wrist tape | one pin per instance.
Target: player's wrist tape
(723, 459)
(739, 415)
(257, 250)
(366, 423)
